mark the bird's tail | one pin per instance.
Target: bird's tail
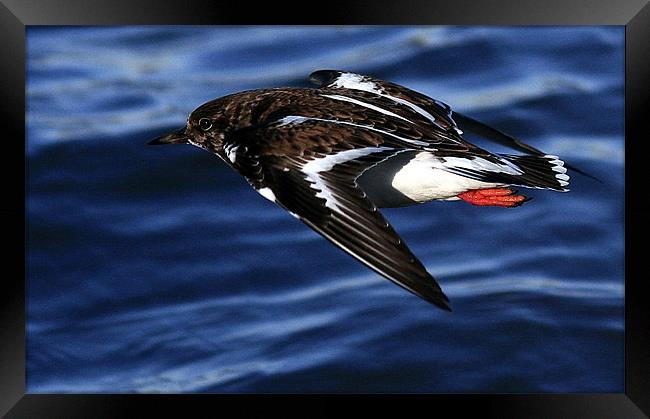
(541, 172)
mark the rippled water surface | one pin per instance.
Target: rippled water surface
(160, 270)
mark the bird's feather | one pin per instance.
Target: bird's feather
(316, 182)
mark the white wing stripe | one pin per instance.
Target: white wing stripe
(366, 105)
(324, 164)
(413, 106)
(358, 82)
(296, 119)
(422, 112)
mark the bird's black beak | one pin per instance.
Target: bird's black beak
(175, 137)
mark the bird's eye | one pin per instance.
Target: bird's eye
(205, 124)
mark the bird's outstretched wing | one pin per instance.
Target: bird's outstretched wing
(418, 107)
(436, 113)
(310, 170)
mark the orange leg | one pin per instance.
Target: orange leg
(497, 197)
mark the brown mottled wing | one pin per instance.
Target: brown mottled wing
(422, 110)
(311, 171)
(419, 108)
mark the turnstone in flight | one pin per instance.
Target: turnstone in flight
(332, 155)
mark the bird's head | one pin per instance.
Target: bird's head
(205, 128)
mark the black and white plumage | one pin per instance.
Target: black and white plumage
(333, 155)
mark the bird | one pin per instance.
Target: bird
(334, 154)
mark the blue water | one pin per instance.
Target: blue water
(158, 269)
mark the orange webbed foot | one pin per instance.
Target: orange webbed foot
(493, 197)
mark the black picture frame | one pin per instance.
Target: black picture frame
(15, 15)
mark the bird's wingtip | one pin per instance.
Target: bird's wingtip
(445, 306)
(441, 301)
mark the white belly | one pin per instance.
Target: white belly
(421, 181)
